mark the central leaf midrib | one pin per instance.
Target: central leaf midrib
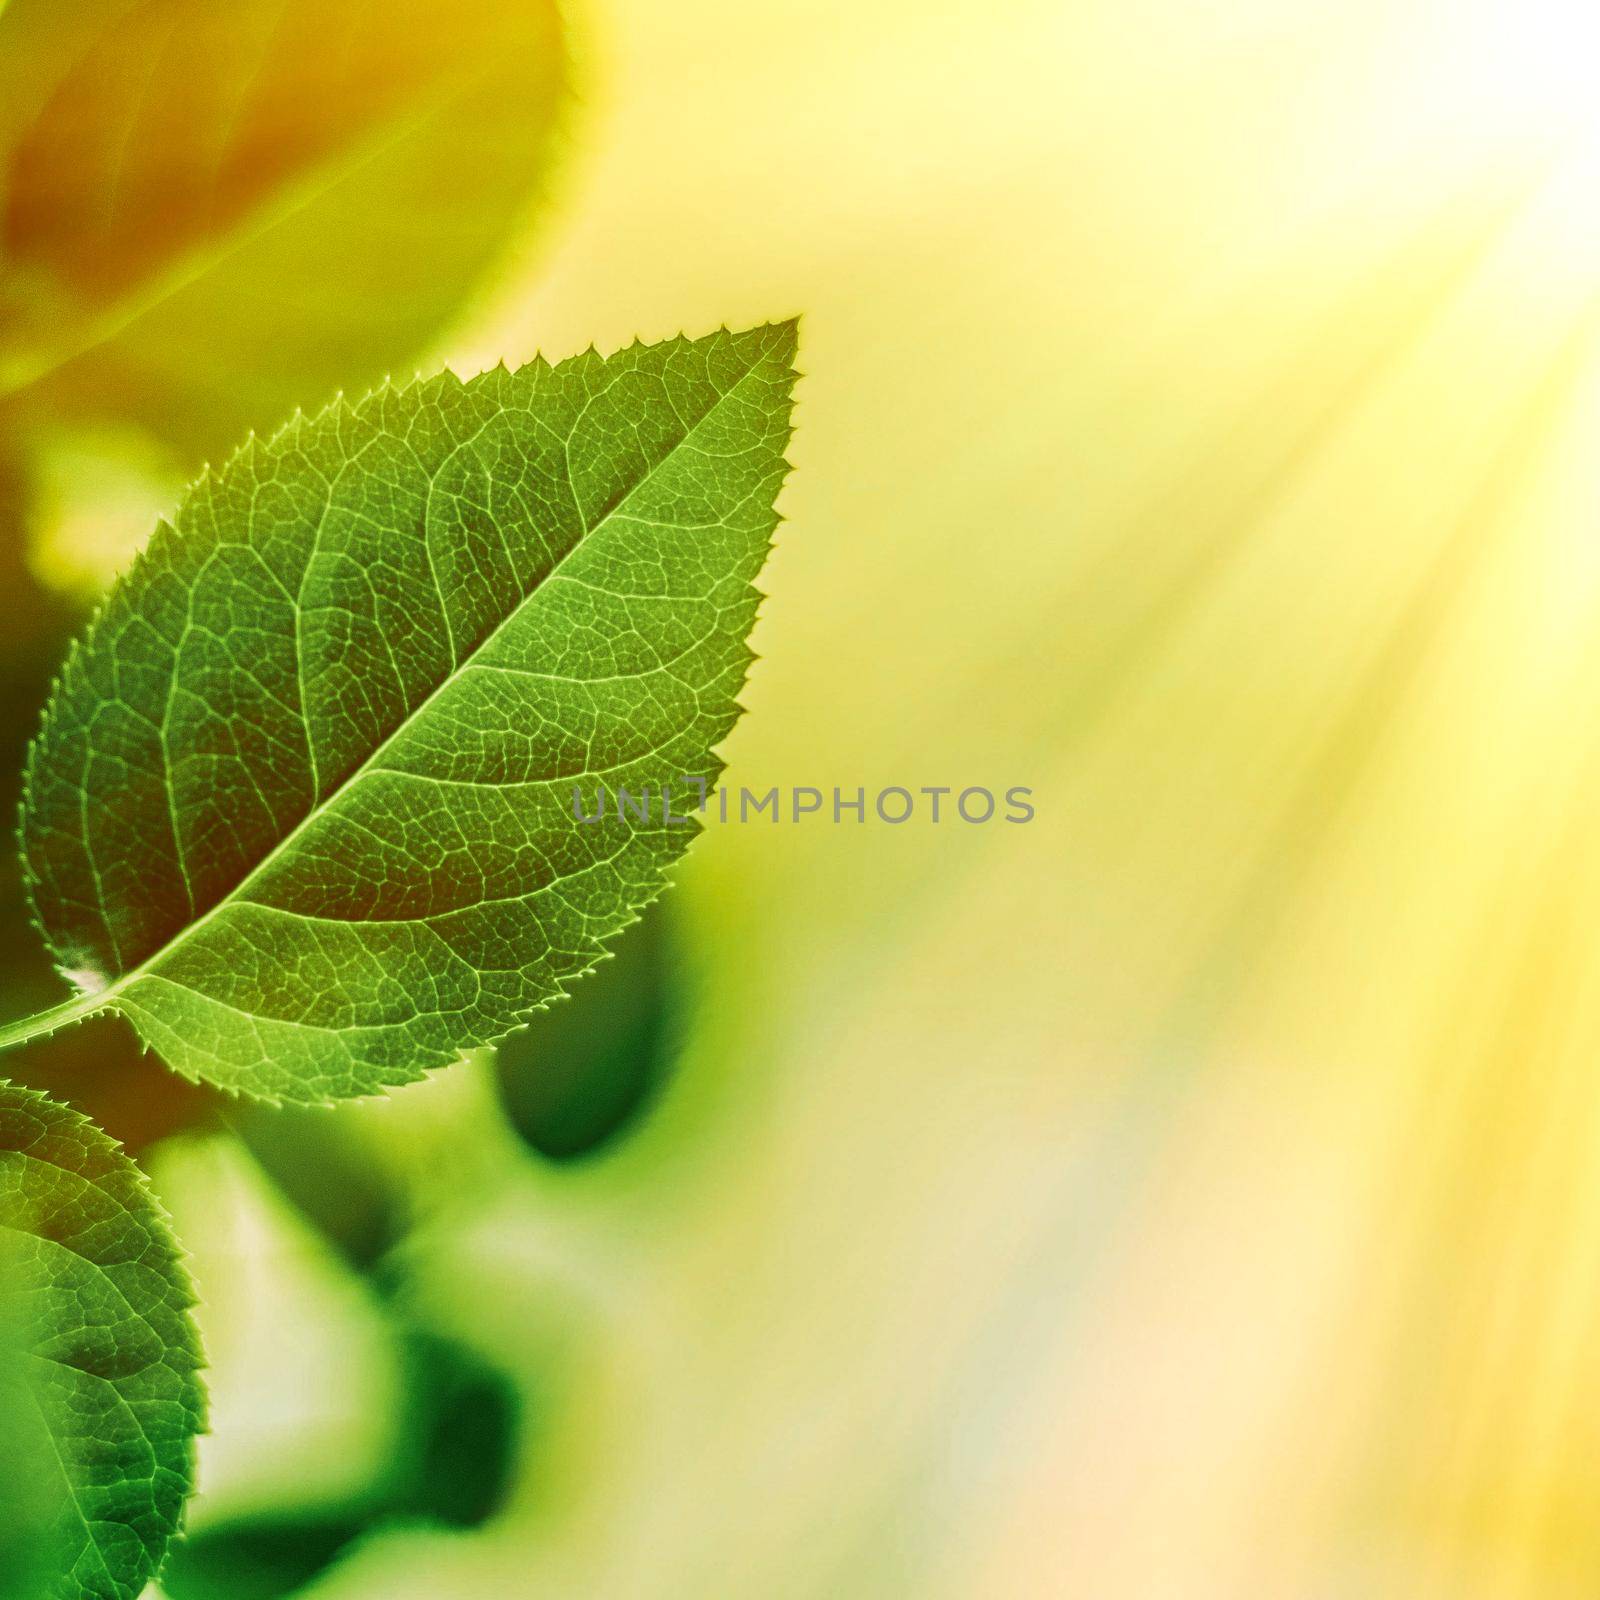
(109, 994)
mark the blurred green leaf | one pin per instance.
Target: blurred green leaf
(208, 213)
(452, 1469)
(578, 1075)
(302, 808)
(111, 1360)
(461, 1436)
(261, 1559)
(335, 1179)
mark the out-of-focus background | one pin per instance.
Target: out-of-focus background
(1190, 1193)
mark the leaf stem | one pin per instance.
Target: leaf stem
(52, 1018)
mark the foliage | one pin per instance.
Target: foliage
(299, 808)
(108, 1356)
(302, 805)
(302, 808)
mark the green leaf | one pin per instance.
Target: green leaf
(208, 212)
(109, 1370)
(302, 807)
(579, 1076)
(28, 1508)
(453, 1466)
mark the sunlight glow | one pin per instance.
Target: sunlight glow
(1533, 64)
